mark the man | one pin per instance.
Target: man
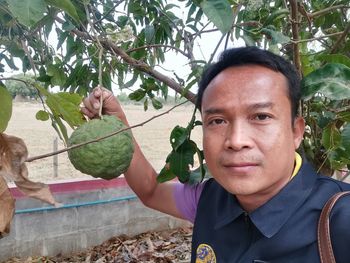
(264, 201)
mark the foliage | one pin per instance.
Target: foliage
(129, 42)
(6, 104)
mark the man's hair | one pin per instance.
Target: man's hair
(236, 57)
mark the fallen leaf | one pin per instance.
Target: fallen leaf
(7, 208)
(118, 249)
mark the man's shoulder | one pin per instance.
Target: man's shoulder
(329, 181)
(325, 181)
(341, 210)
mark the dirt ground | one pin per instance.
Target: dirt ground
(39, 137)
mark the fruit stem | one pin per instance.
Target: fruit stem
(100, 83)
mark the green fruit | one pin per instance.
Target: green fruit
(107, 158)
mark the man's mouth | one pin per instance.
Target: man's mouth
(240, 167)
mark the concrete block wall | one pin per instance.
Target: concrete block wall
(93, 212)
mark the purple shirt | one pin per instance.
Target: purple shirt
(186, 199)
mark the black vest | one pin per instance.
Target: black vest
(282, 230)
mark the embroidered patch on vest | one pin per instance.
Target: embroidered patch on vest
(205, 254)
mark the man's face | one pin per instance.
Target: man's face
(248, 139)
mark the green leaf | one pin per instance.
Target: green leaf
(345, 135)
(331, 138)
(249, 41)
(129, 83)
(278, 14)
(275, 36)
(344, 116)
(332, 80)
(5, 109)
(42, 115)
(339, 158)
(156, 104)
(66, 6)
(137, 95)
(106, 80)
(60, 128)
(58, 78)
(28, 12)
(334, 58)
(197, 175)
(122, 21)
(181, 160)
(41, 89)
(145, 104)
(149, 34)
(165, 175)
(66, 106)
(219, 13)
(9, 60)
(178, 136)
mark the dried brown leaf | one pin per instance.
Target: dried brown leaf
(13, 155)
(7, 208)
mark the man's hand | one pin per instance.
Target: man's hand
(110, 105)
(140, 175)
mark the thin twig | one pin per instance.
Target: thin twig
(11, 78)
(326, 10)
(340, 39)
(216, 49)
(100, 57)
(346, 108)
(104, 137)
(100, 83)
(28, 84)
(317, 38)
(157, 45)
(26, 51)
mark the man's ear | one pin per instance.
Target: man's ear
(298, 130)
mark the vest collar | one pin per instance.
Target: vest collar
(270, 217)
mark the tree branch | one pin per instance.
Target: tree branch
(295, 34)
(326, 10)
(340, 39)
(140, 65)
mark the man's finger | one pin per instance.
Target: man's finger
(87, 112)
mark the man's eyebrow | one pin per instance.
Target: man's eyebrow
(252, 107)
(214, 110)
(261, 105)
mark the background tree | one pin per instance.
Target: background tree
(128, 42)
(17, 86)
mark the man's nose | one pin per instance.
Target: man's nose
(237, 136)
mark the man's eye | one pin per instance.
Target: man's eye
(262, 117)
(216, 122)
